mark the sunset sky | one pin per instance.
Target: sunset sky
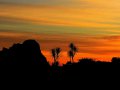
(92, 25)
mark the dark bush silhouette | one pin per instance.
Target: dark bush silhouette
(116, 60)
(86, 61)
(29, 54)
(24, 61)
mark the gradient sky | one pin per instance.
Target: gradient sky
(94, 26)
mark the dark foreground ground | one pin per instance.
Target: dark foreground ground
(24, 63)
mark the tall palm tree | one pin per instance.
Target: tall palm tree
(72, 52)
(58, 50)
(55, 54)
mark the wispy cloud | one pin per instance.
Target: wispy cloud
(88, 20)
(47, 2)
(93, 25)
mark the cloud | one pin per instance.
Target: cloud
(62, 16)
(93, 25)
(75, 3)
(18, 24)
(46, 2)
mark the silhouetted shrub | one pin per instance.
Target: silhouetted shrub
(116, 60)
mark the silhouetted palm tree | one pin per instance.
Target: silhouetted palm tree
(72, 52)
(55, 54)
(58, 50)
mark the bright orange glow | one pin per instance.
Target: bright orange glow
(99, 47)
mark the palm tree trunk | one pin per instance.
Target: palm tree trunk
(54, 60)
(72, 59)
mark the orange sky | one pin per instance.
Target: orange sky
(96, 47)
(94, 26)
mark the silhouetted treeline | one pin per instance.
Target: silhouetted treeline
(27, 57)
